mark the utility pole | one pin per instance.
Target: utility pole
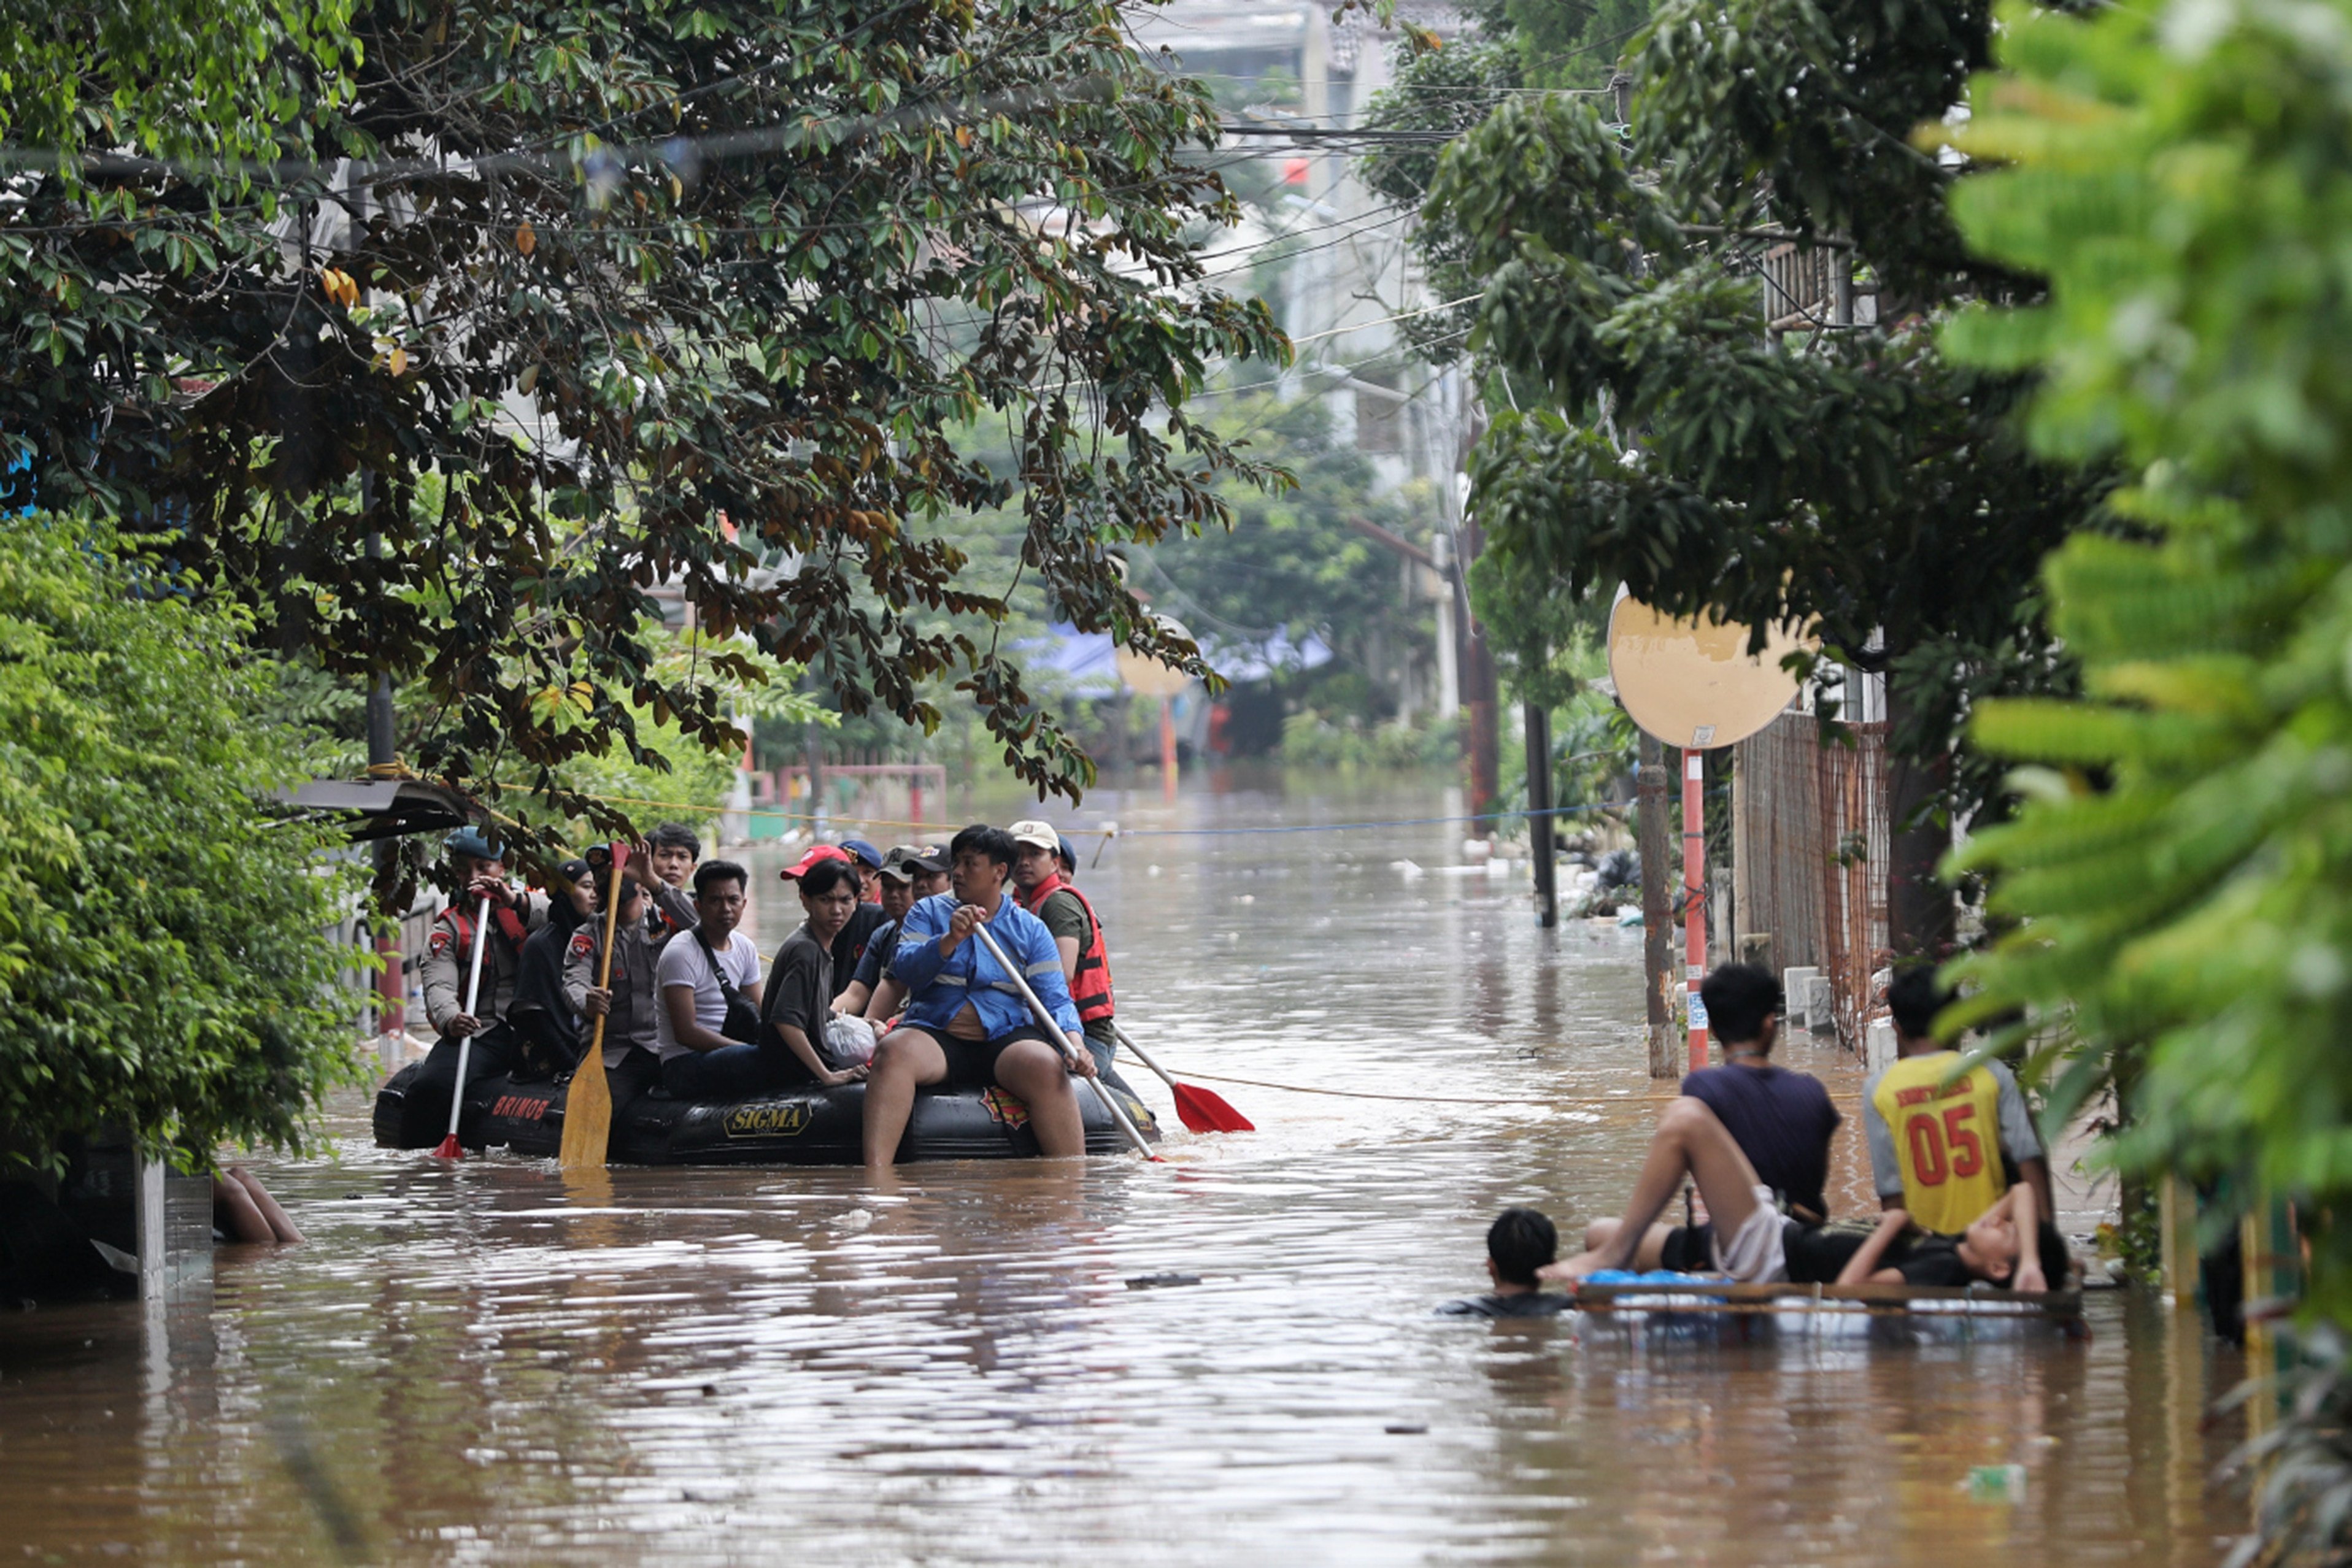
(812, 744)
(383, 744)
(1479, 691)
(1657, 979)
(1449, 643)
(1539, 818)
(1694, 900)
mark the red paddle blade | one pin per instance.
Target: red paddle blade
(1205, 1111)
(448, 1149)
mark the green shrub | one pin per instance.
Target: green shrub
(165, 962)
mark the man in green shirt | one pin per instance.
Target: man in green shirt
(1076, 932)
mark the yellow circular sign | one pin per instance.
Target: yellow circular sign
(1693, 683)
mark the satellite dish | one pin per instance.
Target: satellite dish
(1693, 683)
(1149, 677)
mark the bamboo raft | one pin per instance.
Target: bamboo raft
(1734, 1312)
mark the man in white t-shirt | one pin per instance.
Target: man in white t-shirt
(708, 1026)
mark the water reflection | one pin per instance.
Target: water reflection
(486, 1361)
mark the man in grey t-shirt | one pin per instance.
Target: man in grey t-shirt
(1914, 1000)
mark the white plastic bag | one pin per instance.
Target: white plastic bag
(849, 1042)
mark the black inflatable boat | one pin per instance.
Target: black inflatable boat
(801, 1128)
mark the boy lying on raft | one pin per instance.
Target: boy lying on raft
(1756, 1245)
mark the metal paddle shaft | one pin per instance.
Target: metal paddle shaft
(1054, 1033)
(588, 1104)
(1200, 1109)
(450, 1148)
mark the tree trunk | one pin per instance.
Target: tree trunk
(1657, 975)
(1539, 818)
(1920, 916)
(1479, 697)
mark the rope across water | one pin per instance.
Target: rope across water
(1429, 1099)
(704, 810)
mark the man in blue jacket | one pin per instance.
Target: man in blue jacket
(966, 1022)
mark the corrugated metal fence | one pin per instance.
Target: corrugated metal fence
(1810, 844)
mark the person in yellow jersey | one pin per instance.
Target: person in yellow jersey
(1940, 1141)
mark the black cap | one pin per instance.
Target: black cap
(904, 863)
(574, 870)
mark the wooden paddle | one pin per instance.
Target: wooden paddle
(1199, 1109)
(588, 1107)
(449, 1148)
(1054, 1033)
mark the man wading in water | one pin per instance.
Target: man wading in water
(966, 1022)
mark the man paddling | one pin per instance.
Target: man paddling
(1046, 893)
(628, 1001)
(966, 1022)
(478, 866)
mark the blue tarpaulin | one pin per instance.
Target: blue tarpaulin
(1088, 665)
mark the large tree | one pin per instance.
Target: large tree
(1840, 475)
(544, 304)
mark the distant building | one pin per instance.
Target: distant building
(1333, 259)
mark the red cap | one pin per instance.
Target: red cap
(817, 854)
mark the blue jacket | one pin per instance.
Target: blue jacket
(939, 987)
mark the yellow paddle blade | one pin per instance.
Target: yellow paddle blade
(588, 1110)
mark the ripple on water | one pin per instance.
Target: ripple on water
(477, 1363)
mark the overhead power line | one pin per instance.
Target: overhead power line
(1352, 135)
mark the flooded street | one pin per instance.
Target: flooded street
(483, 1364)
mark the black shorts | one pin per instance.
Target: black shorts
(971, 1063)
(1689, 1250)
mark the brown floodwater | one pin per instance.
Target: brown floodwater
(484, 1362)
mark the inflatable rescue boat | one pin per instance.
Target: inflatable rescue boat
(811, 1126)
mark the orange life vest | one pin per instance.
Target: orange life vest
(1090, 987)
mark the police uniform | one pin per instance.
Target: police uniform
(448, 956)
(546, 1029)
(630, 1060)
(449, 952)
